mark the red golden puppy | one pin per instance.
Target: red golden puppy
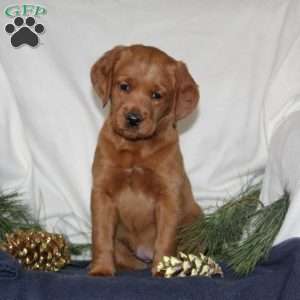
(140, 193)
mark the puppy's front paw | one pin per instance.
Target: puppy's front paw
(157, 259)
(102, 268)
(154, 270)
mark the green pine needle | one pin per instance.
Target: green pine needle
(15, 215)
(216, 231)
(241, 232)
(243, 256)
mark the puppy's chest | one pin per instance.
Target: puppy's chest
(137, 179)
(135, 195)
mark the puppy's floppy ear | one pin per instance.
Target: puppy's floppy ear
(187, 93)
(102, 73)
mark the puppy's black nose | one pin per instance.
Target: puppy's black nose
(133, 119)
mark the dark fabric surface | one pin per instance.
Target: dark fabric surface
(278, 278)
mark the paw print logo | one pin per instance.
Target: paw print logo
(24, 32)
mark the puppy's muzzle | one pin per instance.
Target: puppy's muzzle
(133, 119)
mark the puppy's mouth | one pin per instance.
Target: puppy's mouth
(144, 130)
(134, 133)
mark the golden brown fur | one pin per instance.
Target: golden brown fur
(140, 192)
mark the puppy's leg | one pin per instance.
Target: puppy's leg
(193, 213)
(125, 260)
(166, 222)
(104, 221)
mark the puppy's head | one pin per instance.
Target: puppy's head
(145, 85)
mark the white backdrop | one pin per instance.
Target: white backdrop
(245, 55)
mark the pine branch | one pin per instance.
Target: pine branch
(239, 233)
(243, 256)
(15, 215)
(216, 231)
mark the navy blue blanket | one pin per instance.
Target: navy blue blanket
(278, 278)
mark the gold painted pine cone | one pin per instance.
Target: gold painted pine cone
(188, 265)
(37, 250)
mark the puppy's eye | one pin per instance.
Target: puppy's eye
(156, 95)
(123, 86)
